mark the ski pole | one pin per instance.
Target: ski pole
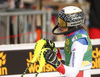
(26, 70)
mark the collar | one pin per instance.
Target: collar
(80, 31)
(70, 34)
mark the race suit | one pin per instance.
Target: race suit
(77, 55)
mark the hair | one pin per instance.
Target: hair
(81, 27)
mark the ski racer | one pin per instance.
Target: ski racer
(77, 49)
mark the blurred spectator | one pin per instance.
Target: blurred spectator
(94, 26)
(3, 5)
(27, 6)
(3, 25)
(15, 4)
(11, 4)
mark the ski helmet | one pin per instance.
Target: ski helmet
(71, 17)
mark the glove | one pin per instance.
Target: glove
(51, 58)
(50, 44)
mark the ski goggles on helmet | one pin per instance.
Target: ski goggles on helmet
(62, 23)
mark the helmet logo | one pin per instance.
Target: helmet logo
(75, 17)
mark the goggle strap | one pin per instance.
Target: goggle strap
(66, 32)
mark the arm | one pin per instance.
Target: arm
(60, 54)
(75, 62)
(78, 49)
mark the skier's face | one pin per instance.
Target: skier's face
(63, 29)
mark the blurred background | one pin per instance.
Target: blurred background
(27, 21)
(24, 22)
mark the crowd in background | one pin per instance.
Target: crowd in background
(91, 12)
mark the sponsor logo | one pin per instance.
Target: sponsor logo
(67, 41)
(96, 58)
(74, 50)
(3, 69)
(73, 58)
(35, 66)
(74, 38)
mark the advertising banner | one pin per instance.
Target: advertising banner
(15, 61)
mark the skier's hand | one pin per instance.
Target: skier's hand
(51, 58)
(50, 44)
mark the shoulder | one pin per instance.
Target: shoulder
(83, 41)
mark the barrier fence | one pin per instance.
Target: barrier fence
(25, 26)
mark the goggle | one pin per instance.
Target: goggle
(62, 23)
